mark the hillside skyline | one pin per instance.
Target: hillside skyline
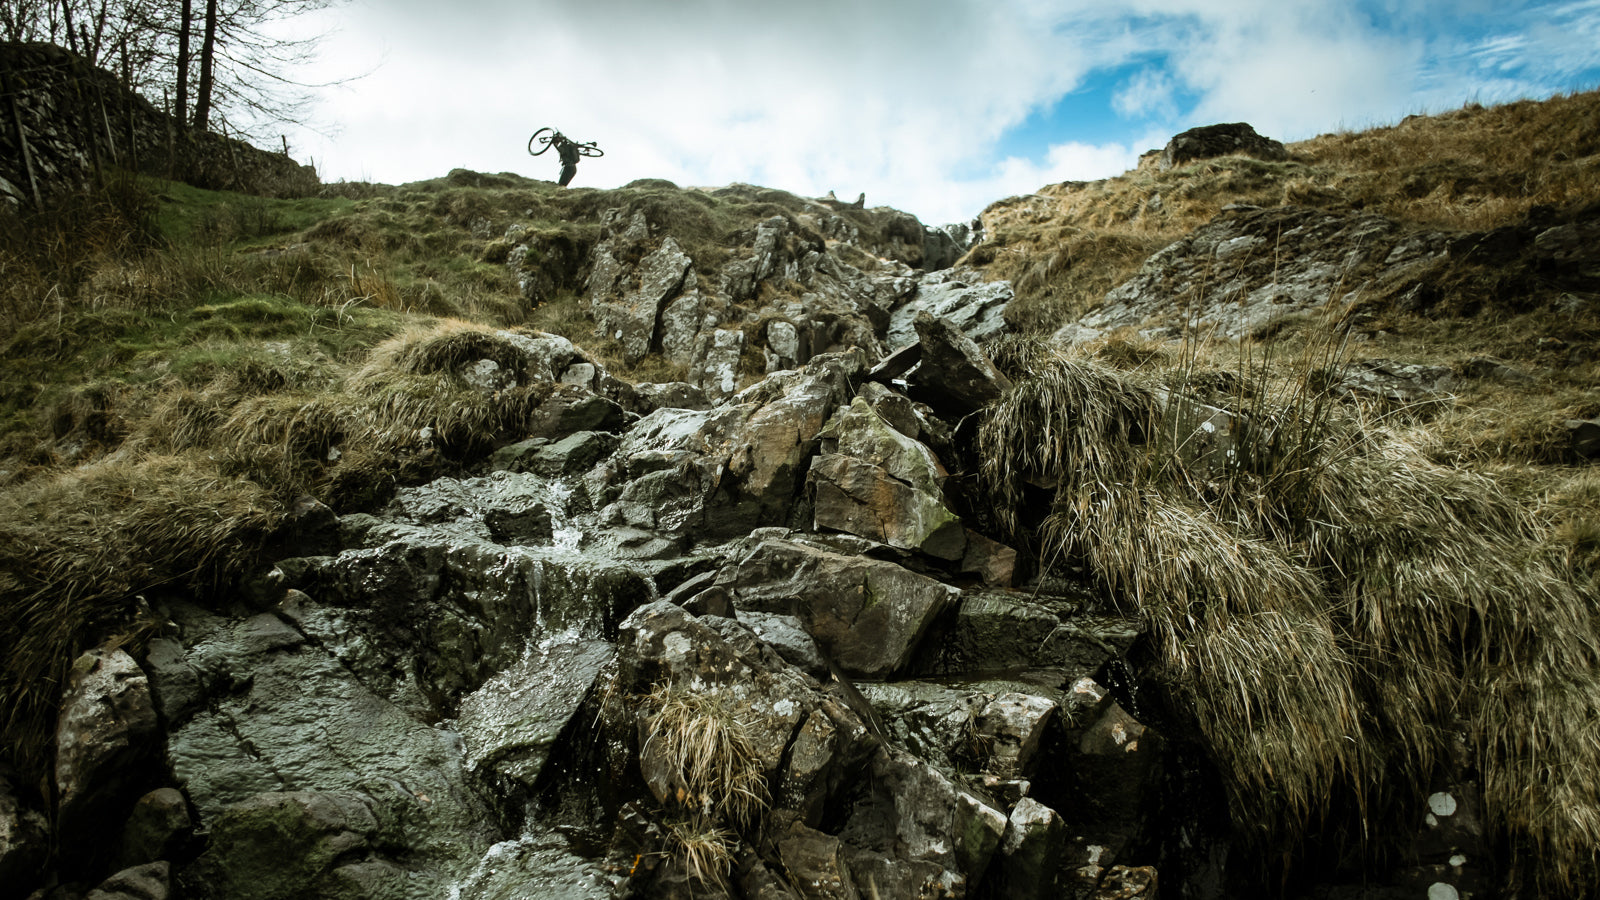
(861, 98)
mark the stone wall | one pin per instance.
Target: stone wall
(63, 120)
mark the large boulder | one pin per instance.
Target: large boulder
(867, 615)
(1219, 140)
(106, 736)
(953, 375)
(875, 482)
(512, 722)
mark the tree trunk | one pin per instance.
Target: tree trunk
(208, 53)
(185, 25)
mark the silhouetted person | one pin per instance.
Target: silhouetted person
(569, 157)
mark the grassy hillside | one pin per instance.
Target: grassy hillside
(180, 365)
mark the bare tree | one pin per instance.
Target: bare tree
(239, 73)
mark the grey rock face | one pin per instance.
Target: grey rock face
(954, 375)
(1249, 267)
(961, 296)
(882, 485)
(512, 721)
(867, 615)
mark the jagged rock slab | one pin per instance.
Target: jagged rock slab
(868, 615)
(1249, 267)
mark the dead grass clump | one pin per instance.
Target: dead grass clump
(79, 548)
(1331, 608)
(699, 739)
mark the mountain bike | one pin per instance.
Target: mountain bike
(544, 137)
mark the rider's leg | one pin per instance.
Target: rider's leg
(567, 172)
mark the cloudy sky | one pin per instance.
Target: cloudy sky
(937, 107)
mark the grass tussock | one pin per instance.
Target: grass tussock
(698, 735)
(1329, 607)
(79, 550)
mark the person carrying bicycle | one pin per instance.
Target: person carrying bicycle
(568, 149)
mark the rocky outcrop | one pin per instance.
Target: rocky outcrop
(798, 285)
(1249, 268)
(662, 661)
(1219, 140)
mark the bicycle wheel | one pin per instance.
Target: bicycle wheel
(590, 150)
(541, 139)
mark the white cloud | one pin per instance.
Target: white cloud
(905, 101)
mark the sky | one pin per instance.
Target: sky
(935, 107)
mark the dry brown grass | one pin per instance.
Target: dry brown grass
(1332, 607)
(1472, 169)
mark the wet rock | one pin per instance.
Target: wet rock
(787, 635)
(1007, 731)
(570, 456)
(961, 296)
(24, 838)
(915, 813)
(985, 728)
(954, 376)
(298, 844)
(535, 867)
(105, 735)
(157, 826)
(1030, 852)
(992, 562)
(510, 724)
(281, 715)
(151, 881)
(1219, 140)
(867, 615)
